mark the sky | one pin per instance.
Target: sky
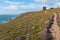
(22, 6)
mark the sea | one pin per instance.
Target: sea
(4, 18)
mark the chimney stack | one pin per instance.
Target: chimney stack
(44, 8)
(9, 19)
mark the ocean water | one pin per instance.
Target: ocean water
(4, 18)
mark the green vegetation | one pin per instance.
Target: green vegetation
(26, 26)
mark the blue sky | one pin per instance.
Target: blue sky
(21, 6)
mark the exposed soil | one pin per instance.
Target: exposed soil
(55, 29)
(52, 31)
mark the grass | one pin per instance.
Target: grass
(29, 23)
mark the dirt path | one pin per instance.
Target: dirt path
(55, 29)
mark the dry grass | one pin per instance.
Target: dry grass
(29, 23)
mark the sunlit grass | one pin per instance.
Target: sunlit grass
(29, 23)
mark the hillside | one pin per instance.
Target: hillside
(27, 26)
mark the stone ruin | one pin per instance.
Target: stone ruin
(44, 8)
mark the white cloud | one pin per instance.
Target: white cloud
(12, 3)
(47, 2)
(30, 6)
(20, 7)
(41, 1)
(57, 4)
(10, 7)
(23, 6)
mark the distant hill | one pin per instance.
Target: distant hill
(27, 26)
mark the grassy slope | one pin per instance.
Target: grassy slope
(58, 18)
(57, 10)
(30, 23)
